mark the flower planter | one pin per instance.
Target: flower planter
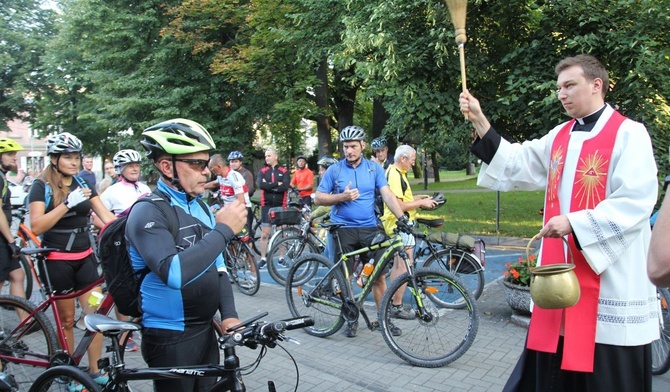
(518, 297)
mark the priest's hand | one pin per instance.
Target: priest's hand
(557, 227)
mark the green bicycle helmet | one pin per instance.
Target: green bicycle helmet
(176, 137)
(9, 145)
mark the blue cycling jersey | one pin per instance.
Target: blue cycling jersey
(184, 287)
(367, 177)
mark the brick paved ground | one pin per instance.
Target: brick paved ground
(365, 363)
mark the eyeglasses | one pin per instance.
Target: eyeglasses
(197, 164)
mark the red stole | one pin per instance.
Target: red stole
(588, 190)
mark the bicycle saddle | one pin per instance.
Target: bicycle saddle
(436, 222)
(439, 198)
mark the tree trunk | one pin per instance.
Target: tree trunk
(436, 167)
(321, 100)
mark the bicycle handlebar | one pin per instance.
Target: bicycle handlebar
(264, 333)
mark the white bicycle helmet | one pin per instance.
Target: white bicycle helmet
(235, 155)
(352, 133)
(123, 158)
(63, 142)
(326, 161)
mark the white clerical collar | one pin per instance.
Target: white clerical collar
(586, 119)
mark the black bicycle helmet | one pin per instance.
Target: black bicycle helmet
(176, 137)
(300, 157)
(378, 143)
(352, 133)
(235, 155)
(326, 161)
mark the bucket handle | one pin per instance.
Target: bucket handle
(571, 259)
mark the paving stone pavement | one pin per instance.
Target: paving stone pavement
(365, 363)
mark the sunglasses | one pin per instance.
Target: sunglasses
(197, 164)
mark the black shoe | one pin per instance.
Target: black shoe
(395, 331)
(402, 312)
(262, 263)
(352, 330)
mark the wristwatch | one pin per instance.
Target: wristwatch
(66, 203)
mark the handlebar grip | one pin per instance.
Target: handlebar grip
(298, 322)
(272, 329)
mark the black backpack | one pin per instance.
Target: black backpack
(123, 283)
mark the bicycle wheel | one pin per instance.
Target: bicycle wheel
(283, 255)
(439, 336)
(660, 349)
(462, 264)
(27, 279)
(242, 268)
(64, 378)
(317, 294)
(34, 341)
(282, 232)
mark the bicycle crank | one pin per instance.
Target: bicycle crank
(350, 310)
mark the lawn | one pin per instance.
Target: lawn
(471, 210)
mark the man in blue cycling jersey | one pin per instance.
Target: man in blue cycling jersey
(187, 282)
(349, 186)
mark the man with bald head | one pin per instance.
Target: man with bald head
(274, 181)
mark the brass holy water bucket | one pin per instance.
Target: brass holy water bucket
(554, 286)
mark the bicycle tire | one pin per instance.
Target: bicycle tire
(461, 263)
(442, 335)
(60, 378)
(282, 232)
(17, 345)
(243, 269)
(660, 349)
(24, 264)
(320, 296)
(288, 249)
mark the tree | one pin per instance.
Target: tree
(25, 27)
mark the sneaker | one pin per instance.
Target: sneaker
(352, 330)
(100, 378)
(131, 346)
(395, 331)
(402, 312)
(282, 262)
(261, 264)
(74, 386)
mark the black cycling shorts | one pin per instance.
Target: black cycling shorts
(169, 348)
(356, 238)
(7, 262)
(67, 276)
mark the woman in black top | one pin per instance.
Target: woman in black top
(60, 205)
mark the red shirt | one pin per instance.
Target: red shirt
(303, 178)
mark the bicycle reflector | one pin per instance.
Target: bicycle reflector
(431, 290)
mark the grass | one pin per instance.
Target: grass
(472, 210)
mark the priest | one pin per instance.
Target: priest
(599, 176)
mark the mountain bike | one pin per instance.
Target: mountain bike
(242, 268)
(29, 343)
(250, 333)
(284, 252)
(440, 251)
(660, 349)
(446, 317)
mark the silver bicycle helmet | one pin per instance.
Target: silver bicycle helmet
(352, 133)
(378, 143)
(326, 161)
(63, 142)
(123, 158)
(235, 155)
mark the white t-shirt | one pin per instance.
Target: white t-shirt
(120, 196)
(231, 185)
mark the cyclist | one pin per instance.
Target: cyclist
(349, 186)
(235, 162)
(396, 174)
(60, 205)
(187, 282)
(10, 269)
(274, 181)
(381, 150)
(303, 180)
(121, 196)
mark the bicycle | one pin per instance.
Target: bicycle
(250, 333)
(451, 255)
(242, 269)
(26, 238)
(660, 349)
(286, 250)
(29, 346)
(440, 332)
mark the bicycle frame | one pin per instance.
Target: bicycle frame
(85, 341)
